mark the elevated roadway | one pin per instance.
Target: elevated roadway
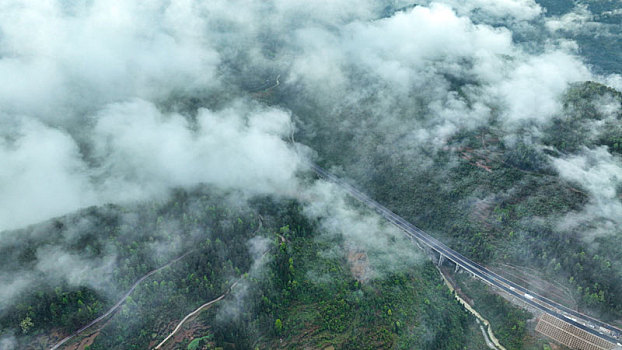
(589, 324)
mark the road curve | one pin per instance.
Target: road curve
(213, 301)
(118, 304)
(527, 296)
(195, 312)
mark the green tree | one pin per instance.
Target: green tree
(26, 324)
(278, 326)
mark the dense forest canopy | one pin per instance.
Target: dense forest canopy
(156, 152)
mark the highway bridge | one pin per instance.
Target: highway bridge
(593, 326)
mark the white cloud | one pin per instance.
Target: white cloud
(144, 152)
(41, 175)
(82, 56)
(402, 49)
(515, 10)
(385, 246)
(139, 152)
(531, 89)
(600, 173)
(85, 93)
(56, 264)
(389, 65)
(596, 170)
(575, 20)
(8, 342)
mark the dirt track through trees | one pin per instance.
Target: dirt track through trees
(119, 303)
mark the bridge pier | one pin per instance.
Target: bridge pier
(431, 253)
(482, 273)
(456, 268)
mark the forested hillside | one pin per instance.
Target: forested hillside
(157, 184)
(296, 287)
(501, 199)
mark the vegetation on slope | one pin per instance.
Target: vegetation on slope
(301, 293)
(493, 194)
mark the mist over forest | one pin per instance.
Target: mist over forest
(172, 140)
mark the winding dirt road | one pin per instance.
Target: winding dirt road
(209, 303)
(195, 312)
(119, 303)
